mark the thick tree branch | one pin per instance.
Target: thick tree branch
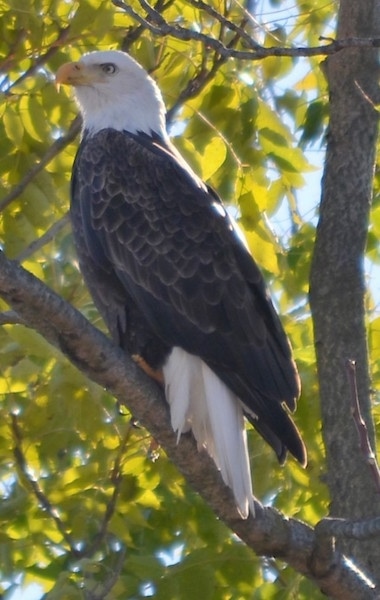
(357, 530)
(270, 533)
(10, 317)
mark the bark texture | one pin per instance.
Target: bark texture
(337, 293)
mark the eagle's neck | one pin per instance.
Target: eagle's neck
(125, 112)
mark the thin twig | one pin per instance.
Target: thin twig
(102, 590)
(33, 484)
(200, 80)
(116, 479)
(6, 62)
(134, 33)
(54, 149)
(42, 58)
(365, 444)
(238, 29)
(43, 239)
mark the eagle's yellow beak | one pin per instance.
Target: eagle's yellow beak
(74, 73)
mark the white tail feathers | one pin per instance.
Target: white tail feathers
(200, 401)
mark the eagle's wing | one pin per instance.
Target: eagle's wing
(165, 241)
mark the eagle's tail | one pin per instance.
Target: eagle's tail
(200, 401)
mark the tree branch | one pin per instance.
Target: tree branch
(238, 30)
(38, 62)
(44, 239)
(116, 478)
(201, 79)
(134, 33)
(45, 503)
(10, 317)
(357, 530)
(101, 590)
(361, 427)
(54, 149)
(158, 26)
(269, 533)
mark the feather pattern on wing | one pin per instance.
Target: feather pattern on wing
(169, 246)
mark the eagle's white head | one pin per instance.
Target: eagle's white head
(114, 91)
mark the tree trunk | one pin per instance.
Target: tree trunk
(337, 292)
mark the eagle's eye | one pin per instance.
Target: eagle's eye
(108, 68)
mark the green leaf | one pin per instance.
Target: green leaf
(213, 156)
(13, 126)
(33, 117)
(264, 249)
(314, 123)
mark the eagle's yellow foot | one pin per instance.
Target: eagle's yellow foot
(155, 374)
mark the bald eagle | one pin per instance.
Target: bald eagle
(172, 276)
